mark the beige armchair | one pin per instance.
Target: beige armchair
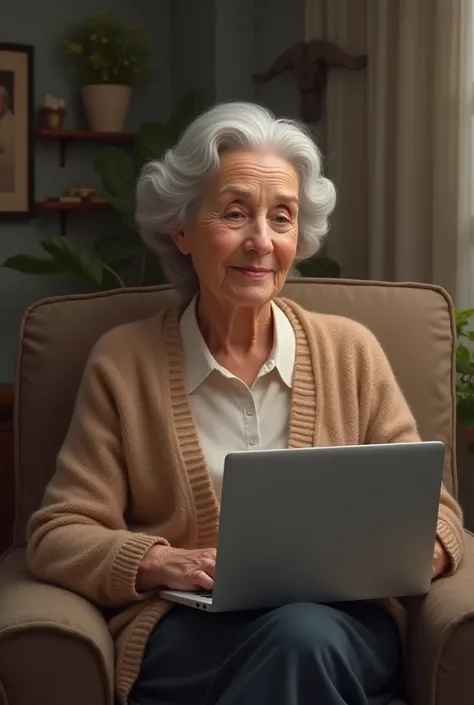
(54, 646)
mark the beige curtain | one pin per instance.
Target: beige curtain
(398, 139)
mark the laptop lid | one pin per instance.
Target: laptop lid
(327, 524)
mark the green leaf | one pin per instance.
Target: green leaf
(470, 447)
(75, 259)
(319, 267)
(463, 355)
(192, 104)
(462, 319)
(152, 140)
(131, 223)
(117, 172)
(139, 159)
(124, 205)
(30, 264)
(111, 279)
(466, 387)
(465, 369)
(117, 252)
(465, 406)
(463, 315)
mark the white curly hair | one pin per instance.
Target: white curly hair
(169, 190)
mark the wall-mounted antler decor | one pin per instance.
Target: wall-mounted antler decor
(310, 63)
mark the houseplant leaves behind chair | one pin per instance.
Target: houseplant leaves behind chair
(97, 267)
(108, 57)
(465, 372)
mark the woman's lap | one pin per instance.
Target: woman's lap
(349, 653)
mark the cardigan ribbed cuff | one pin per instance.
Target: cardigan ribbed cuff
(126, 564)
(451, 544)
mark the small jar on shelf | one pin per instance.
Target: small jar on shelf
(52, 112)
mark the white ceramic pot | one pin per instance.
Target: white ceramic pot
(106, 106)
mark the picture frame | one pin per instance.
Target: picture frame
(16, 131)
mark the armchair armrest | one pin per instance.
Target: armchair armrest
(55, 647)
(440, 665)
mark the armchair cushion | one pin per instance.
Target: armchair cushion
(441, 639)
(55, 647)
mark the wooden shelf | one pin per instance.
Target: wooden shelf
(83, 206)
(64, 137)
(85, 135)
(64, 208)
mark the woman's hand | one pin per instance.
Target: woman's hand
(440, 560)
(177, 569)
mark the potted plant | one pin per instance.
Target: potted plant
(108, 58)
(465, 372)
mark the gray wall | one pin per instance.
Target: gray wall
(215, 45)
(218, 44)
(279, 24)
(193, 51)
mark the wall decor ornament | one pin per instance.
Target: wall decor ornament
(16, 131)
(310, 63)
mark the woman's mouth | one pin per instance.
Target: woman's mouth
(254, 272)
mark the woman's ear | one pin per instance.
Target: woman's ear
(181, 242)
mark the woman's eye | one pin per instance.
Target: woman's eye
(234, 215)
(282, 219)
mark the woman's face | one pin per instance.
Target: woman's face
(243, 237)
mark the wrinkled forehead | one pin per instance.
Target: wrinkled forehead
(244, 168)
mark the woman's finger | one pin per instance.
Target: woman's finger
(208, 566)
(202, 580)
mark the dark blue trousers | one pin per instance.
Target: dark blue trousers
(300, 654)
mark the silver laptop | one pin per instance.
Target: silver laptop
(324, 525)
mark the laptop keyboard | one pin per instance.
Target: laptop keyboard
(204, 593)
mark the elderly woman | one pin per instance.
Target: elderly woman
(134, 504)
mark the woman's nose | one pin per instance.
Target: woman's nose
(260, 238)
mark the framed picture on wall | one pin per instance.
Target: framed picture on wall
(16, 131)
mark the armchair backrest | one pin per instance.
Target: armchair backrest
(414, 323)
